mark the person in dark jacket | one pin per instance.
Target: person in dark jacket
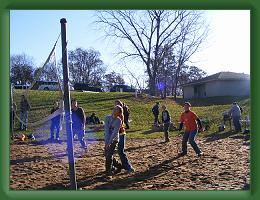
(155, 111)
(78, 122)
(126, 115)
(166, 120)
(12, 115)
(93, 119)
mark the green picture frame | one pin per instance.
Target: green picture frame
(7, 5)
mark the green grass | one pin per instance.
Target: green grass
(140, 109)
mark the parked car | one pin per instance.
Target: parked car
(47, 85)
(21, 86)
(86, 87)
(122, 88)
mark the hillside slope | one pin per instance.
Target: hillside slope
(140, 108)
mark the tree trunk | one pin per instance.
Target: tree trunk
(152, 86)
(176, 82)
(172, 85)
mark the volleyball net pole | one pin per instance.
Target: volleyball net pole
(67, 105)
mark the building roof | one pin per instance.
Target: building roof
(221, 76)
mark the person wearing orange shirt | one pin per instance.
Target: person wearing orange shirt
(192, 123)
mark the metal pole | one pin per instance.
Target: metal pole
(67, 106)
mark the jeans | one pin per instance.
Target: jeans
(156, 120)
(80, 133)
(236, 122)
(24, 119)
(55, 125)
(121, 152)
(126, 122)
(166, 127)
(190, 136)
(109, 157)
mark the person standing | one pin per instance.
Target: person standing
(121, 145)
(25, 107)
(126, 115)
(166, 120)
(78, 122)
(235, 112)
(12, 114)
(192, 123)
(12, 118)
(155, 111)
(112, 126)
(55, 123)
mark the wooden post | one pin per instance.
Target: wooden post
(67, 106)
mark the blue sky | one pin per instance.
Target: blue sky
(34, 33)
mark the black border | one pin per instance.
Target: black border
(7, 5)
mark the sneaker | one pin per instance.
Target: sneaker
(117, 170)
(57, 140)
(109, 174)
(84, 148)
(50, 139)
(200, 154)
(131, 170)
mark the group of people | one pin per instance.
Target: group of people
(114, 134)
(78, 123)
(188, 118)
(116, 124)
(166, 119)
(192, 124)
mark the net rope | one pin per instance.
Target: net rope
(60, 111)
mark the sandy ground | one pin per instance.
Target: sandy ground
(224, 166)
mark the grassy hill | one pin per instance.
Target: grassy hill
(140, 108)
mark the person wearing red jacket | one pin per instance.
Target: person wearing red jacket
(192, 124)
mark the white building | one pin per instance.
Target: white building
(220, 84)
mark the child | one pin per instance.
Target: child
(166, 119)
(55, 123)
(155, 111)
(126, 115)
(112, 126)
(121, 145)
(189, 119)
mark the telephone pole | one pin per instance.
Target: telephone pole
(67, 106)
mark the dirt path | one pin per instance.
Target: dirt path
(224, 166)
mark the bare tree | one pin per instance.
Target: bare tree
(48, 73)
(194, 33)
(146, 32)
(21, 69)
(86, 66)
(136, 80)
(166, 71)
(112, 78)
